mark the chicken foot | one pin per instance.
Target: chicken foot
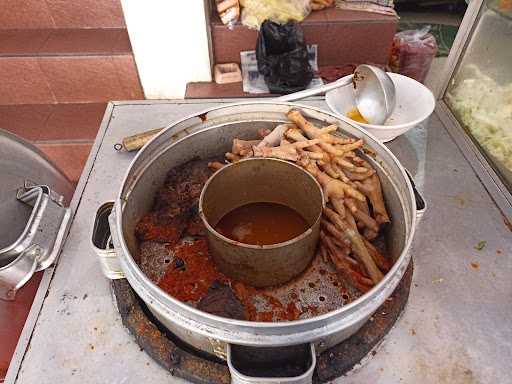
(371, 187)
(274, 137)
(382, 262)
(343, 267)
(284, 152)
(358, 245)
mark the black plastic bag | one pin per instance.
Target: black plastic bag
(283, 57)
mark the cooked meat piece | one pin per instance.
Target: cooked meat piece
(221, 301)
(175, 203)
(189, 191)
(187, 180)
(194, 171)
(186, 193)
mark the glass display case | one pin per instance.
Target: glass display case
(477, 94)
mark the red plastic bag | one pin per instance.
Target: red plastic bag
(412, 53)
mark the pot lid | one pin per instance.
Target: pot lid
(33, 194)
(22, 161)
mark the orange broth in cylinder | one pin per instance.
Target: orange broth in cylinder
(262, 224)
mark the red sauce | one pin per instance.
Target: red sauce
(313, 309)
(292, 312)
(148, 228)
(191, 283)
(193, 276)
(262, 224)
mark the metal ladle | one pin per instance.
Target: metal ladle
(374, 93)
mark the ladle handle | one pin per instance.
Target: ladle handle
(315, 91)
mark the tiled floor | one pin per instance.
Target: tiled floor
(12, 318)
(70, 157)
(44, 122)
(61, 99)
(60, 63)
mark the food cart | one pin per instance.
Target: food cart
(455, 326)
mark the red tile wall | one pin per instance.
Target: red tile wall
(86, 41)
(64, 41)
(64, 79)
(22, 42)
(342, 37)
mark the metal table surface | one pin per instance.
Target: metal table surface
(456, 327)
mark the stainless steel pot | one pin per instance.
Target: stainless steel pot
(192, 137)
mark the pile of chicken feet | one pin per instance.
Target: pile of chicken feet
(355, 207)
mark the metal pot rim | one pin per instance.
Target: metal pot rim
(163, 300)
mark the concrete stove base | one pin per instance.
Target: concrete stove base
(196, 367)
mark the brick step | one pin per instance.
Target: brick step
(204, 89)
(64, 41)
(69, 157)
(58, 27)
(64, 79)
(43, 122)
(31, 14)
(64, 132)
(13, 315)
(342, 36)
(62, 99)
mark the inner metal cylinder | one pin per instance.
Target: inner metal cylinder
(262, 180)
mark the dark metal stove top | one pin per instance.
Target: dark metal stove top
(182, 361)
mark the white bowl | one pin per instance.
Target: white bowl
(414, 104)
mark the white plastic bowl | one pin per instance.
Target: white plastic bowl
(414, 104)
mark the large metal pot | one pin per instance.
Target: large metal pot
(210, 134)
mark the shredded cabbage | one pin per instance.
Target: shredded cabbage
(485, 108)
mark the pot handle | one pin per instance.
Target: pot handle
(102, 242)
(238, 377)
(18, 273)
(40, 242)
(421, 204)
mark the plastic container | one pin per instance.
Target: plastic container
(412, 53)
